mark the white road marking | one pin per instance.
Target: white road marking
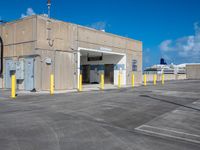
(168, 135)
(169, 130)
(197, 102)
(171, 136)
(175, 111)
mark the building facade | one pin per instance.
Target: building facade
(166, 69)
(193, 71)
(36, 46)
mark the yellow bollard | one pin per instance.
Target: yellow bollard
(102, 82)
(119, 80)
(52, 84)
(163, 79)
(154, 79)
(145, 80)
(133, 80)
(80, 83)
(13, 86)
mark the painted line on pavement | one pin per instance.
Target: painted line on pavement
(168, 135)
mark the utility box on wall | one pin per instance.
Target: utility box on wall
(13, 65)
(20, 70)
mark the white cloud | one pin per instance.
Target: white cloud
(146, 57)
(186, 48)
(166, 45)
(29, 12)
(167, 58)
(101, 25)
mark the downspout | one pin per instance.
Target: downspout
(1, 69)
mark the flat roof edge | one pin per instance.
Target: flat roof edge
(82, 26)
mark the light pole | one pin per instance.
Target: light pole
(49, 7)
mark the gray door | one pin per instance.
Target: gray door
(109, 73)
(86, 73)
(29, 74)
(8, 74)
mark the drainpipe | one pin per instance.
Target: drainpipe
(1, 69)
(1, 57)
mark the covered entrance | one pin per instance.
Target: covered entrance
(93, 63)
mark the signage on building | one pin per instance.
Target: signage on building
(134, 65)
(105, 49)
(95, 58)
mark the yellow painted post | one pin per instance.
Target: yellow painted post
(163, 79)
(52, 84)
(102, 82)
(80, 83)
(13, 86)
(133, 80)
(154, 79)
(145, 80)
(119, 80)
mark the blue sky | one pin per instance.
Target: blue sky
(168, 28)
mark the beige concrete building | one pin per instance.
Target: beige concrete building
(36, 46)
(193, 71)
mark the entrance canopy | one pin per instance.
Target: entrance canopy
(93, 63)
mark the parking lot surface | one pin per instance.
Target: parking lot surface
(144, 118)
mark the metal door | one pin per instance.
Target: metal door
(86, 73)
(29, 74)
(96, 78)
(8, 74)
(109, 73)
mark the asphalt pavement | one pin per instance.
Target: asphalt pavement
(144, 118)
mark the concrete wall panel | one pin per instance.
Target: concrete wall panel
(19, 37)
(1, 30)
(106, 39)
(119, 42)
(86, 35)
(38, 73)
(8, 34)
(64, 71)
(55, 35)
(41, 34)
(24, 49)
(134, 45)
(23, 31)
(46, 69)
(103, 39)
(8, 51)
(193, 71)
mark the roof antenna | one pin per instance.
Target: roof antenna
(49, 7)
